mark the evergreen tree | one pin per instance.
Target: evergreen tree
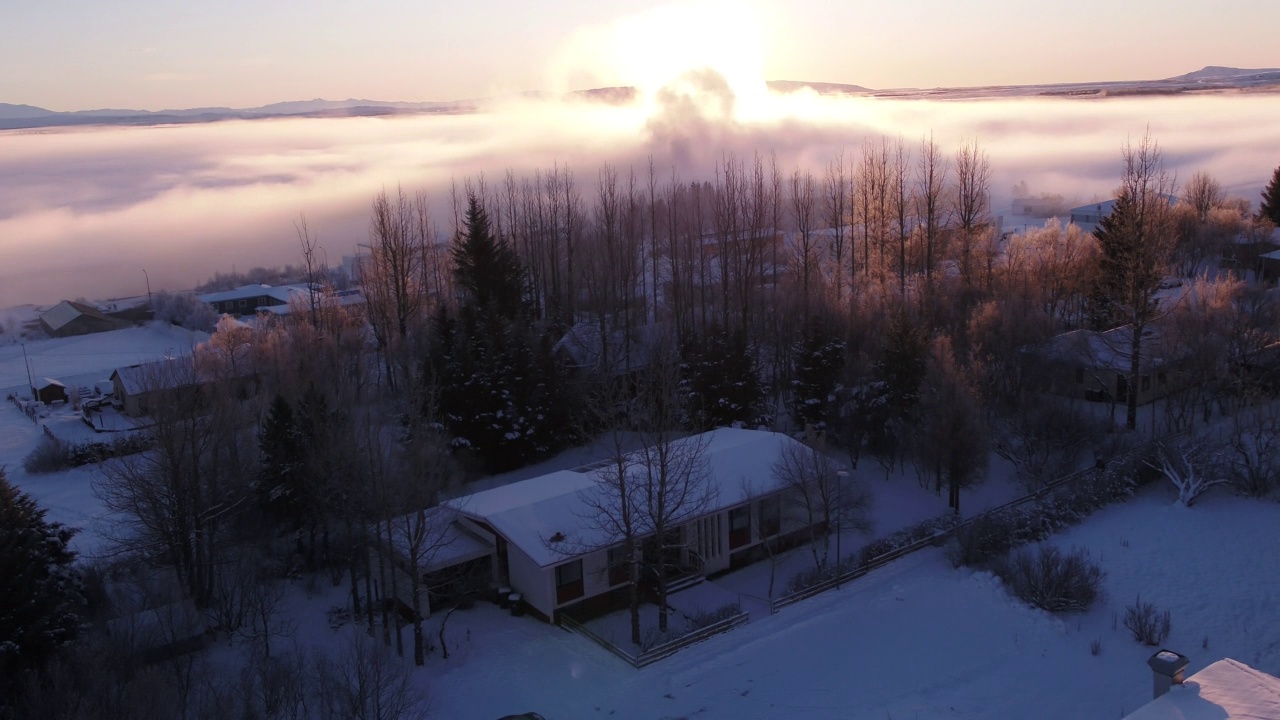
(1270, 207)
(283, 462)
(498, 390)
(819, 361)
(486, 269)
(40, 596)
(721, 382)
(882, 408)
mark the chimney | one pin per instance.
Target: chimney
(1167, 669)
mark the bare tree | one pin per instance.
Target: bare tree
(1203, 193)
(1190, 467)
(931, 183)
(366, 682)
(803, 205)
(674, 478)
(970, 201)
(825, 497)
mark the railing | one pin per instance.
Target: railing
(653, 654)
(939, 537)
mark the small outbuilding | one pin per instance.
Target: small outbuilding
(67, 319)
(49, 391)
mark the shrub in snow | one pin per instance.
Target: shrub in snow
(1051, 580)
(914, 534)
(708, 618)
(48, 456)
(986, 538)
(183, 309)
(811, 576)
(1189, 469)
(1148, 625)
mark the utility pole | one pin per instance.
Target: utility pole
(25, 361)
(148, 277)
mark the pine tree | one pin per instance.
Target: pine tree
(40, 597)
(721, 382)
(819, 360)
(283, 462)
(1270, 207)
(486, 269)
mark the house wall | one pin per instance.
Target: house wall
(1101, 384)
(536, 584)
(595, 573)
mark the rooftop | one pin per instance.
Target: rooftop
(1226, 689)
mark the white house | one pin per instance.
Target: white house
(1089, 217)
(1224, 690)
(540, 541)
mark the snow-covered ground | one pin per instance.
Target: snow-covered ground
(916, 639)
(89, 359)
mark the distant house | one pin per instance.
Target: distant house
(67, 319)
(49, 391)
(1089, 217)
(341, 298)
(536, 538)
(248, 299)
(1096, 366)
(139, 389)
(587, 347)
(1225, 690)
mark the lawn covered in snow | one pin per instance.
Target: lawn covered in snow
(916, 639)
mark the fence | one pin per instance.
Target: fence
(936, 539)
(657, 652)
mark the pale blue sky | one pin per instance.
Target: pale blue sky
(79, 54)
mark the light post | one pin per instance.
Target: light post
(148, 277)
(841, 477)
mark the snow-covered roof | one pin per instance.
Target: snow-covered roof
(1110, 350)
(1273, 255)
(441, 541)
(529, 513)
(585, 349)
(64, 312)
(1226, 689)
(283, 293)
(48, 382)
(164, 373)
(344, 298)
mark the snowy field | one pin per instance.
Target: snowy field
(86, 359)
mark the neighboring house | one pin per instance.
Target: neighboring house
(341, 298)
(536, 537)
(138, 389)
(1096, 365)
(248, 299)
(1269, 266)
(49, 391)
(1225, 690)
(67, 319)
(1089, 217)
(586, 347)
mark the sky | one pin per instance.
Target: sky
(157, 54)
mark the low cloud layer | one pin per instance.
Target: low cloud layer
(84, 211)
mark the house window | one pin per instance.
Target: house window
(739, 526)
(1079, 376)
(1146, 382)
(1161, 378)
(569, 581)
(243, 303)
(770, 516)
(619, 565)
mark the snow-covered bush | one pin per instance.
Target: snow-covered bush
(183, 309)
(707, 618)
(909, 536)
(1148, 625)
(986, 538)
(1191, 469)
(49, 456)
(1051, 580)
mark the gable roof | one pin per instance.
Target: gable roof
(1224, 690)
(529, 513)
(64, 312)
(283, 293)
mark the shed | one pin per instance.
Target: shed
(67, 319)
(49, 391)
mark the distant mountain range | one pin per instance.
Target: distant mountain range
(1208, 79)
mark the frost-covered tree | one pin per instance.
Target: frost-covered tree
(40, 595)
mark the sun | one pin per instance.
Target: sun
(683, 47)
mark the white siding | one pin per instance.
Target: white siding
(595, 573)
(536, 584)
